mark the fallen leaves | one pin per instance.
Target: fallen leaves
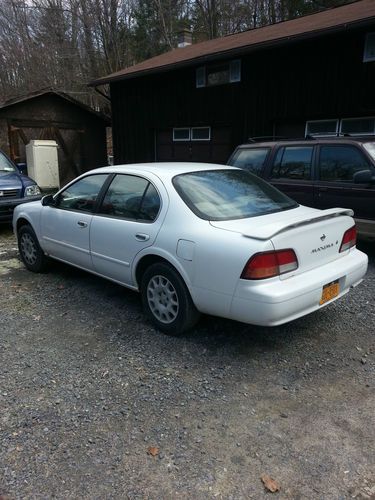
(269, 483)
(153, 451)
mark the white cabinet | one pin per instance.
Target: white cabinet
(42, 163)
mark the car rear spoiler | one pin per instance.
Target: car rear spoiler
(268, 231)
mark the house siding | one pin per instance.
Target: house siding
(280, 89)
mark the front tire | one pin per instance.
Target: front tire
(31, 253)
(166, 300)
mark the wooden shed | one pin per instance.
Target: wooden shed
(79, 131)
(314, 74)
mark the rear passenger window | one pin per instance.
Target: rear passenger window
(293, 162)
(131, 197)
(250, 159)
(340, 163)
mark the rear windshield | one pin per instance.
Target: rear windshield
(229, 194)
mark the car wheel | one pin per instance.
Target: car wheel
(32, 255)
(166, 300)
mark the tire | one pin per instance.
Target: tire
(166, 300)
(31, 254)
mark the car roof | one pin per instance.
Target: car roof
(164, 170)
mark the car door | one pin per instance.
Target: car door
(291, 172)
(335, 186)
(128, 220)
(65, 225)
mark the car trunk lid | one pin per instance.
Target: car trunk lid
(314, 235)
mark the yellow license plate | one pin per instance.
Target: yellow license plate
(330, 291)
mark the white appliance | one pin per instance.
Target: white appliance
(42, 163)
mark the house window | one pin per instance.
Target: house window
(235, 71)
(218, 74)
(200, 77)
(181, 134)
(358, 126)
(201, 133)
(369, 52)
(322, 127)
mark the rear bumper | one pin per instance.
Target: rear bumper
(275, 301)
(7, 206)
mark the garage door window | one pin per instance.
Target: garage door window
(340, 163)
(181, 134)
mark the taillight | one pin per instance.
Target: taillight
(349, 239)
(269, 264)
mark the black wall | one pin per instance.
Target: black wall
(281, 88)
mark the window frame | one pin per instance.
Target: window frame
(234, 68)
(358, 134)
(367, 58)
(307, 133)
(103, 189)
(130, 219)
(181, 140)
(200, 128)
(337, 181)
(275, 153)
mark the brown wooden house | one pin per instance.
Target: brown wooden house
(79, 131)
(314, 74)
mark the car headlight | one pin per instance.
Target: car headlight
(32, 190)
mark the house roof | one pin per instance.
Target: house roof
(330, 20)
(48, 91)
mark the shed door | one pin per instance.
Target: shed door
(216, 149)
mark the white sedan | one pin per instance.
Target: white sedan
(196, 238)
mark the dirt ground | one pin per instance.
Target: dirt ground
(89, 392)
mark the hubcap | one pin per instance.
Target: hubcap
(28, 249)
(162, 299)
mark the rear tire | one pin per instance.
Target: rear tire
(166, 300)
(31, 253)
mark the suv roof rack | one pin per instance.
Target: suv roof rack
(265, 138)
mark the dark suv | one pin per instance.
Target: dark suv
(320, 173)
(15, 188)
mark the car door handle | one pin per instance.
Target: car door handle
(142, 237)
(81, 223)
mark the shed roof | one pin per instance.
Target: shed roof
(336, 19)
(49, 91)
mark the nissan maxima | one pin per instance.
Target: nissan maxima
(196, 238)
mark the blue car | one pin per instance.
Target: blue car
(15, 188)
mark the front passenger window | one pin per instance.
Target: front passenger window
(340, 163)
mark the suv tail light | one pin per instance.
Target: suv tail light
(349, 239)
(269, 264)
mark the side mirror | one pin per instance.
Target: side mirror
(364, 177)
(48, 200)
(22, 168)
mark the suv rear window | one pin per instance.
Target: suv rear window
(250, 159)
(229, 194)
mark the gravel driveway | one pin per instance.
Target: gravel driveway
(95, 404)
